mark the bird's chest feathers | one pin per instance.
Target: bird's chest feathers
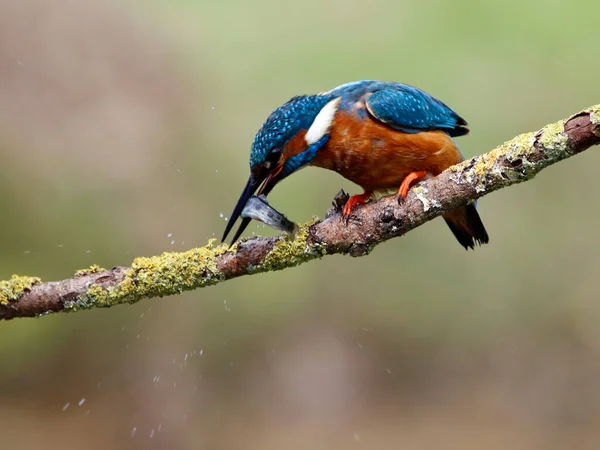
(375, 156)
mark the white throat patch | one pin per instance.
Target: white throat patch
(322, 122)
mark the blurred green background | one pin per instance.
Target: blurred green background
(125, 129)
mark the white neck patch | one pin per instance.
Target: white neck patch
(322, 122)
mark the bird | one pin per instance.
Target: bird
(381, 135)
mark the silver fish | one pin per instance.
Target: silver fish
(258, 208)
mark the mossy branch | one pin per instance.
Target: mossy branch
(515, 161)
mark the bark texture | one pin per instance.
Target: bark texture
(515, 161)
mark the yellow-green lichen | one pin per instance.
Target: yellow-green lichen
(11, 290)
(289, 252)
(486, 166)
(553, 138)
(94, 268)
(491, 168)
(99, 295)
(157, 276)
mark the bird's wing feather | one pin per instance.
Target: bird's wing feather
(408, 109)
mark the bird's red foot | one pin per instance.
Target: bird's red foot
(405, 186)
(353, 201)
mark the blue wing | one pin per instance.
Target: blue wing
(410, 110)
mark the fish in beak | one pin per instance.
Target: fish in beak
(257, 177)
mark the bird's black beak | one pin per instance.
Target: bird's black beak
(256, 178)
(249, 190)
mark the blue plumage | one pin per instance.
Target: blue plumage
(408, 109)
(283, 124)
(367, 131)
(300, 160)
(402, 107)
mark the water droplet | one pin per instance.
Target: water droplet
(388, 370)
(173, 241)
(27, 252)
(201, 352)
(152, 433)
(170, 235)
(212, 107)
(221, 215)
(133, 431)
(81, 402)
(66, 406)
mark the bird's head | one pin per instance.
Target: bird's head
(288, 141)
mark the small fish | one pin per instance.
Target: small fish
(258, 208)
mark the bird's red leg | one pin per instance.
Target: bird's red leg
(360, 199)
(405, 186)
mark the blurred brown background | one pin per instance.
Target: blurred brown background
(125, 130)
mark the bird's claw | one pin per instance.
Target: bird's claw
(347, 213)
(352, 202)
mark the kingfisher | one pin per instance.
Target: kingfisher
(379, 135)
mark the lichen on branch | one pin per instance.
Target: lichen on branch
(515, 161)
(11, 290)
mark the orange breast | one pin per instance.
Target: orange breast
(377, 157)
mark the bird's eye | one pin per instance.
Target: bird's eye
(273, 157)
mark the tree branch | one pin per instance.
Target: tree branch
(515, 161)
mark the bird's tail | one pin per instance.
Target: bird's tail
(467, 227)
